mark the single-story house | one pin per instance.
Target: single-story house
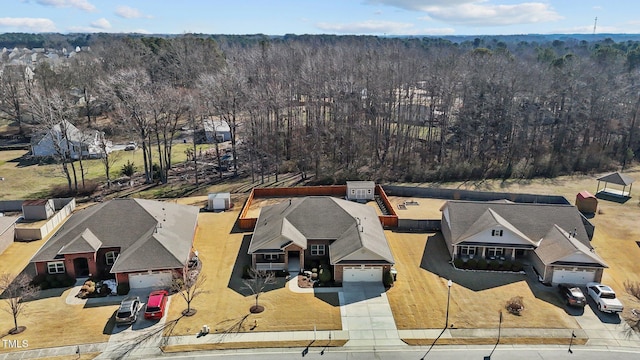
(551, 237)
(216, 130)
(66, 138)
(140, 242)
(321, 229)
(361, 190)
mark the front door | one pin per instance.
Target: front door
(293, 262)
(81, 267)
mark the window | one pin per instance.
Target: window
(317, 250)
(496, 232)
(56, 267)
(271, 256)
(110, 257)
(495, 251)
(467, 250)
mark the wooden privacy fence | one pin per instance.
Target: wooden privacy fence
(247, 223)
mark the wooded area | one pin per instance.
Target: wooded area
(350, 107)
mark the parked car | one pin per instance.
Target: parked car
(128, 311)
(572, 295)
(604, 297)
(156, 305)
(131, 146)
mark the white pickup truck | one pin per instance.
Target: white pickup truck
(604, 297)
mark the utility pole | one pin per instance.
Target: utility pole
(595, 22)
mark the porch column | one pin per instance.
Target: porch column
(253, 260)
(513, 254)
(484, 250)
(455, 252)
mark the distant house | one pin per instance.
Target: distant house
(551, 237)
(140, 242)
(216, 130)
(322, 229)
(66, 138)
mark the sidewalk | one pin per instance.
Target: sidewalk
(367, 323)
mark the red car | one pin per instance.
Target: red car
(156, 305)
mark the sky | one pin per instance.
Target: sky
(339, 17)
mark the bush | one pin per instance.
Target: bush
(123, 288)
(515, 305)
(387, 279)
(517, 266)
(482, 264)
(473, 264)
(44, 285)
(458, 263)
(38, 279)
(506, 265)
(324, 275)
(494, 265)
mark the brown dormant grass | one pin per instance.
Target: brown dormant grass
(225, 309)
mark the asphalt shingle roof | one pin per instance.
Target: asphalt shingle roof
(353, 226)
(532, 220)
(559, 247)
(617, 178)
(147, 232)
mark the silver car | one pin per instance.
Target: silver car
(128, 311)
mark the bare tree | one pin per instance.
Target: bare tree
(189, 287)
(15, 291)
(257, 282)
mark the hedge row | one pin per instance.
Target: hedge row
(483, 264)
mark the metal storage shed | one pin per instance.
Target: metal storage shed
(360, 190)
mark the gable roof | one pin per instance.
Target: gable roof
(531, 219)
(128, 224)
(352, 226)
(83, 243)
(492, 220)
(617, 178)
(558, 247)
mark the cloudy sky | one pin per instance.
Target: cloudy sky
(278, 17)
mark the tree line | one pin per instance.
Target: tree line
(338, 108)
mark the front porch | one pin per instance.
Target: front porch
(489, 252)
(288, 260)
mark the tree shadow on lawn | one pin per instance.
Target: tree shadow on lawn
(242, 259)
(435, 259)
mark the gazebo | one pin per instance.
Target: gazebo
(617, 179)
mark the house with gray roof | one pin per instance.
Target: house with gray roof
(140, 242)
(321, 229)
(552, 237)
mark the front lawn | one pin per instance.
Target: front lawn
(226, 307)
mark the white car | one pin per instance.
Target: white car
(605, 297)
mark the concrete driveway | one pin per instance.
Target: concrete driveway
(140, 339)
(604, 329)
(366, 315)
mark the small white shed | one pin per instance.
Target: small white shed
(40, 209)
(360, 190)
(219, 201)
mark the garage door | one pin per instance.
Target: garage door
(362, 274)
(153, 280)
(577, 276)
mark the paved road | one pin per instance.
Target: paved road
(443, 353)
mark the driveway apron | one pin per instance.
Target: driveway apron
(366, 315)
(140, 339)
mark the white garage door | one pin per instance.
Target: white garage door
(362, 274)
(577, 277)
(153, 280)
